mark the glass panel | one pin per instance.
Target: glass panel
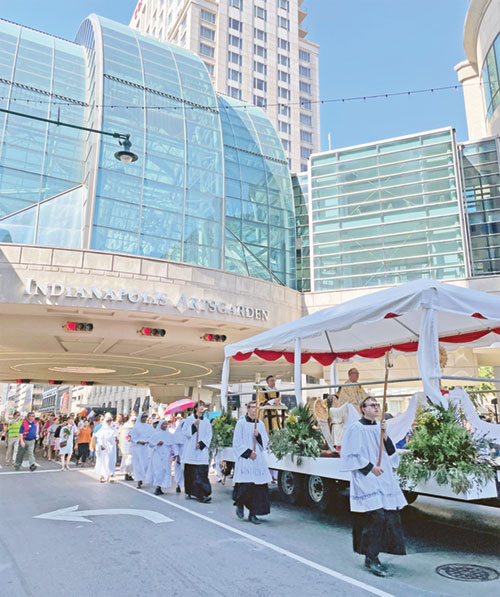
(19, 228)
(60, 220)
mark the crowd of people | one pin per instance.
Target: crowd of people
(150, 450)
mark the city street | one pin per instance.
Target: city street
(178, 547)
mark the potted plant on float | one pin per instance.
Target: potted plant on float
(222, 432)
(443, 449)
(300, 437)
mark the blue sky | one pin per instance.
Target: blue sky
(367, 47)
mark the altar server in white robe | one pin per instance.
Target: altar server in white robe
(126, 447)
(375, 495)
(251, 473)
(198, 433)
(105, 450)
(160, 467)
(141, 432)
(179, 439)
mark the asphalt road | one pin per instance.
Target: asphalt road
(206, 551)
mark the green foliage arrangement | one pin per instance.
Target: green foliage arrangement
(222, 431)
(298, 438)
(443, 448)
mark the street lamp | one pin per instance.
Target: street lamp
(126, 156)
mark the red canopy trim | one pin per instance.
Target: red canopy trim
(327, 358)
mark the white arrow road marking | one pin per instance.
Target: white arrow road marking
(74, 515)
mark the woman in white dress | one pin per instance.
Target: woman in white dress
(106, 450)
(66, 439)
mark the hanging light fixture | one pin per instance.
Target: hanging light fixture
(126, 156)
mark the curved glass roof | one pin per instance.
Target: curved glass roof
(211, 186)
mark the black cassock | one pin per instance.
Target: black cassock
(378, 531)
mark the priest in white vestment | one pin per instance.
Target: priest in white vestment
(375, 495)
(141, 432)
(195, 458)
(105, 450)
(251, 473)
(160, 466)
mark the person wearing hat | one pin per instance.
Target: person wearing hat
(106, 450)
(251, 473)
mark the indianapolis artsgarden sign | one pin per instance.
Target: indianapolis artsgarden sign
(117, 295)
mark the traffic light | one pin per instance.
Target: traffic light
(23, 380)
(78, 326)
(160, 333)
(87, 383)
(55, 382)
(214, 337)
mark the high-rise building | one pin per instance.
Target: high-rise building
(254, 51)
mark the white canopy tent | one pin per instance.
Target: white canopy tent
(413, 317)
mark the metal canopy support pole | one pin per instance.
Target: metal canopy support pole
(334, 377)
(224, 382)
(297, 371)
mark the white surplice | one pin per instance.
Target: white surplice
(190, 454)
(360, 447)
(247, 470)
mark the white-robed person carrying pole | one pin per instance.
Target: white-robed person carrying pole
(105, 450)
(160, 466)
(195, 458)
(139, 436)
(251, 473)
(375, 495)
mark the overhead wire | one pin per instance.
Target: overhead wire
(244, 106)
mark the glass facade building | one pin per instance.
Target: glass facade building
(481, 183)
(491, 77)
(41, 184)
(300, 185)
(387, 213)
(211, 186)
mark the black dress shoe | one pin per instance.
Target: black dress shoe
(178, 490)
(375, 567)
(205, 500)
(240, 512)
(158, 491)
(139, 484)
(253, 519)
